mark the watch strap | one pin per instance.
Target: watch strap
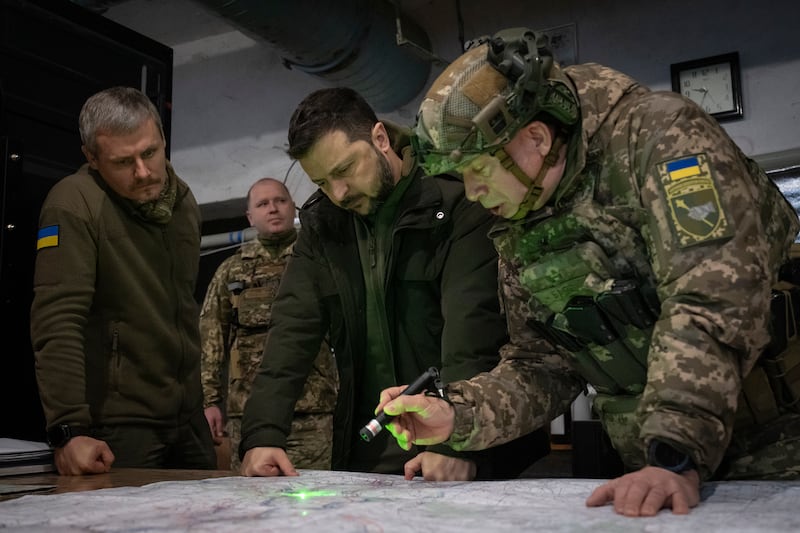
(59, 435)
(664, 455)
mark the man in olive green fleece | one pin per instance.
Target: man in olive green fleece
(114, 323)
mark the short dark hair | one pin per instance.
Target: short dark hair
(327, 110)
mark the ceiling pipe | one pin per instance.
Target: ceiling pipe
(233, 238)
(97, 6)
(368, 45)
(353, 43)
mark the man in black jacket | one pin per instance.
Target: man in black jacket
(399, 269)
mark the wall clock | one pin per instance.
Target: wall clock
(713, 82)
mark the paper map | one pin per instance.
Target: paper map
(353, 502)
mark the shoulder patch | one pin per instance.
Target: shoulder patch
(695, 211)
(47, 237)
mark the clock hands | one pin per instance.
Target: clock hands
(713, 83)
(705, 92)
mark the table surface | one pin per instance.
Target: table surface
(119, 477)
(172, 500)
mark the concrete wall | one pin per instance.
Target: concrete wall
(232, 96)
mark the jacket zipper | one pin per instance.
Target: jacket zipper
(116, 358)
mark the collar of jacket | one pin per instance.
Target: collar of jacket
(598, 90)
(180, 193)
(505, 225)
(254, 248)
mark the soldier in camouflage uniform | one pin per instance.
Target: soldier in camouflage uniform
(234, 323)
(638, 256)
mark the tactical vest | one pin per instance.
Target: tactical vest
(251, 302)
(773, 385)
(602, 310)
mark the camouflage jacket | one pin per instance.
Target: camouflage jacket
(673, 203)
(234, 327)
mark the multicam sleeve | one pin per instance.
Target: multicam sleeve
(215, 322)
(710, 256)
(532, 384)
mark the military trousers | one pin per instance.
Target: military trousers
(309, 445)
(188, 446)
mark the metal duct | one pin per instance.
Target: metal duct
(233, 237)
(344, 42)
(97, 6)
(225, 239)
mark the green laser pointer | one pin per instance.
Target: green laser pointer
(429, 378)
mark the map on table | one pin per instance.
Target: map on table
(355, 502)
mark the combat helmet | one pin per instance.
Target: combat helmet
(500, 84)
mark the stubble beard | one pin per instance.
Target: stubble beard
(385, 184)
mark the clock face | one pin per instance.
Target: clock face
(713, 82)
(710, 86)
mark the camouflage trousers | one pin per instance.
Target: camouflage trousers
(309, 445)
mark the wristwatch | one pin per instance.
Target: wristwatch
(663, 455)
(59, 435)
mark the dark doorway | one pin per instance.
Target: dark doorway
(53, 55)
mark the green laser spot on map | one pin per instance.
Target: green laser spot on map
(308, 494)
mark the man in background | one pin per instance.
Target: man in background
(399, 270)
(235, 321)
(114, 319)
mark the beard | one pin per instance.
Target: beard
(385, 184)
(384, 188)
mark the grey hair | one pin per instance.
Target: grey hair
(119, 111)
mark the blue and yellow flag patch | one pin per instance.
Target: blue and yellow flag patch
(683, 168)
(47, 237)
(696, 212)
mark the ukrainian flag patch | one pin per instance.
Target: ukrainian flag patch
(47, 237)
(683, 168)
(696, 212)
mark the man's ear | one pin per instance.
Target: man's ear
(540, 135)
(380, 137)
(90, 157)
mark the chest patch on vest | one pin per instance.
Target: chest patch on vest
(260, 293)
(695, 211)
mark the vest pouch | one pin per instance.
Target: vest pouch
(606, 343)
(784, 375)
(557, 276)
(255, 306)
(557, 331)
(618, 415)
(756, 405)
(782, 358)
(616, 360)
(592, 372)
(773, 385)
